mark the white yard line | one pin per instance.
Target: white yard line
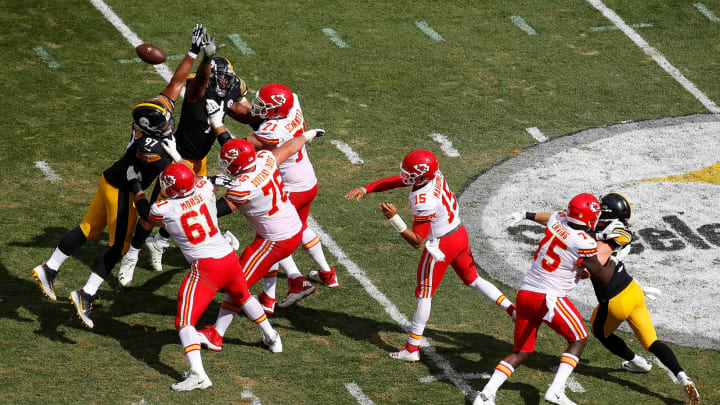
(445, 144)
(612, 27)
(425, 28)
(241, 45)
(46, 57)
(247, 394)
(655, 55)
(702, 8)
(352, 156)
(358, 394)
(524, 26)
(48, 172)
(335, 38)
(537, 134)
(464, 376)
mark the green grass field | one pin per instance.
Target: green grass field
(67, 100)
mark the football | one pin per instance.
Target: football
(150, 53)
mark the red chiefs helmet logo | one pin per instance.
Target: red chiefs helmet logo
(594, 207)
(422, 167)
(230, 155)
(278, 99)
(167, 181)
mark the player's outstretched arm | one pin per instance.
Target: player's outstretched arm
(356, 193)
(177, 82)
(293, 146)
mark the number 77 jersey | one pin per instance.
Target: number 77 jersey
(260, 195)
(555, 262)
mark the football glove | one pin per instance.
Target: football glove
(198, 40)
(135, 179)
(232, 240)
(311, 134)
(209, 47)
(221, 180)
(515, 218)
(215, 113)
(617, 231)
(171, 149)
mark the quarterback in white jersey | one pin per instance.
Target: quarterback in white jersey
(189, 215)
(565, 249)
(436, 227)
(283, 120)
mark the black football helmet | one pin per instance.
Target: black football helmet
(615, 206)
(222, 77)
(153, 119)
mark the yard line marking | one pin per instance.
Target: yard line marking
(520, 23)
(613, 27)
(445, 144)
(46, 57)
(464, 376)
(247, 394)
(706, 12)
(537, 134)
(358, 394)
(241, 45)
(138, 60)
(388, 305)
(425, 28)
(48, 171)
(655, 54)
(669, 373)
(353, 157)
(130, 36)
(335, 38)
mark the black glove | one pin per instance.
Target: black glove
(221, 180)
(198, 40)
(135, 179)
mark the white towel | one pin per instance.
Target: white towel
(550, 301)
(433, 247)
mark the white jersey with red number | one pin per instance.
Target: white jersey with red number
(297, 171)
(435, 202)
(261, 197)
(192, 222)
(555, 263)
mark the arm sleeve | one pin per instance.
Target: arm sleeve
(222, 208)
(421, 228)
(385, 184)
(143, 208)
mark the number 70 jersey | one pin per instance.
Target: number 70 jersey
(555, 262)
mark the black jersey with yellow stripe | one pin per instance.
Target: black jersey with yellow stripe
(620, 278)
(194, 135)
(148, 156)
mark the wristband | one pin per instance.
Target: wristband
(224, 137)
(398, 223)
(530, 216)
(192, 54)
(135, 187)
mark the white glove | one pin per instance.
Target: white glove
(215, 113)
(133, 175)
(622, 253)
(609, 231)
(311, 134)
(515, 218)
(232, 240)
(169, 145)
(209, 46)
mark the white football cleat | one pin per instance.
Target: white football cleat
(690, 390)
(274, 344)
(127, 269)
(637, 365)
(557, 396)
(404, 354)
(156, 246)
(483, 398)
(192, 381)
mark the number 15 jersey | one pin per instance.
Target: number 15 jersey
(555, 263)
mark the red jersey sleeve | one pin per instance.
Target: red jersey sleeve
(385, 184)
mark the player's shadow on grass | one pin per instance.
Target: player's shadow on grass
(457, 345)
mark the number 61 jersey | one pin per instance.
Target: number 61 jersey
(555, 263)
(260, 195)
(192, 222)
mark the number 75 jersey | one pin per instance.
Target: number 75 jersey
(555, 262)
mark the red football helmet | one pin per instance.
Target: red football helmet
(418, 167)
(177, 180)
(584, 209)
(273, 101)
(236, 156)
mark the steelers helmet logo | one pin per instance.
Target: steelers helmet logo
(230, 103)
(144, 122)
